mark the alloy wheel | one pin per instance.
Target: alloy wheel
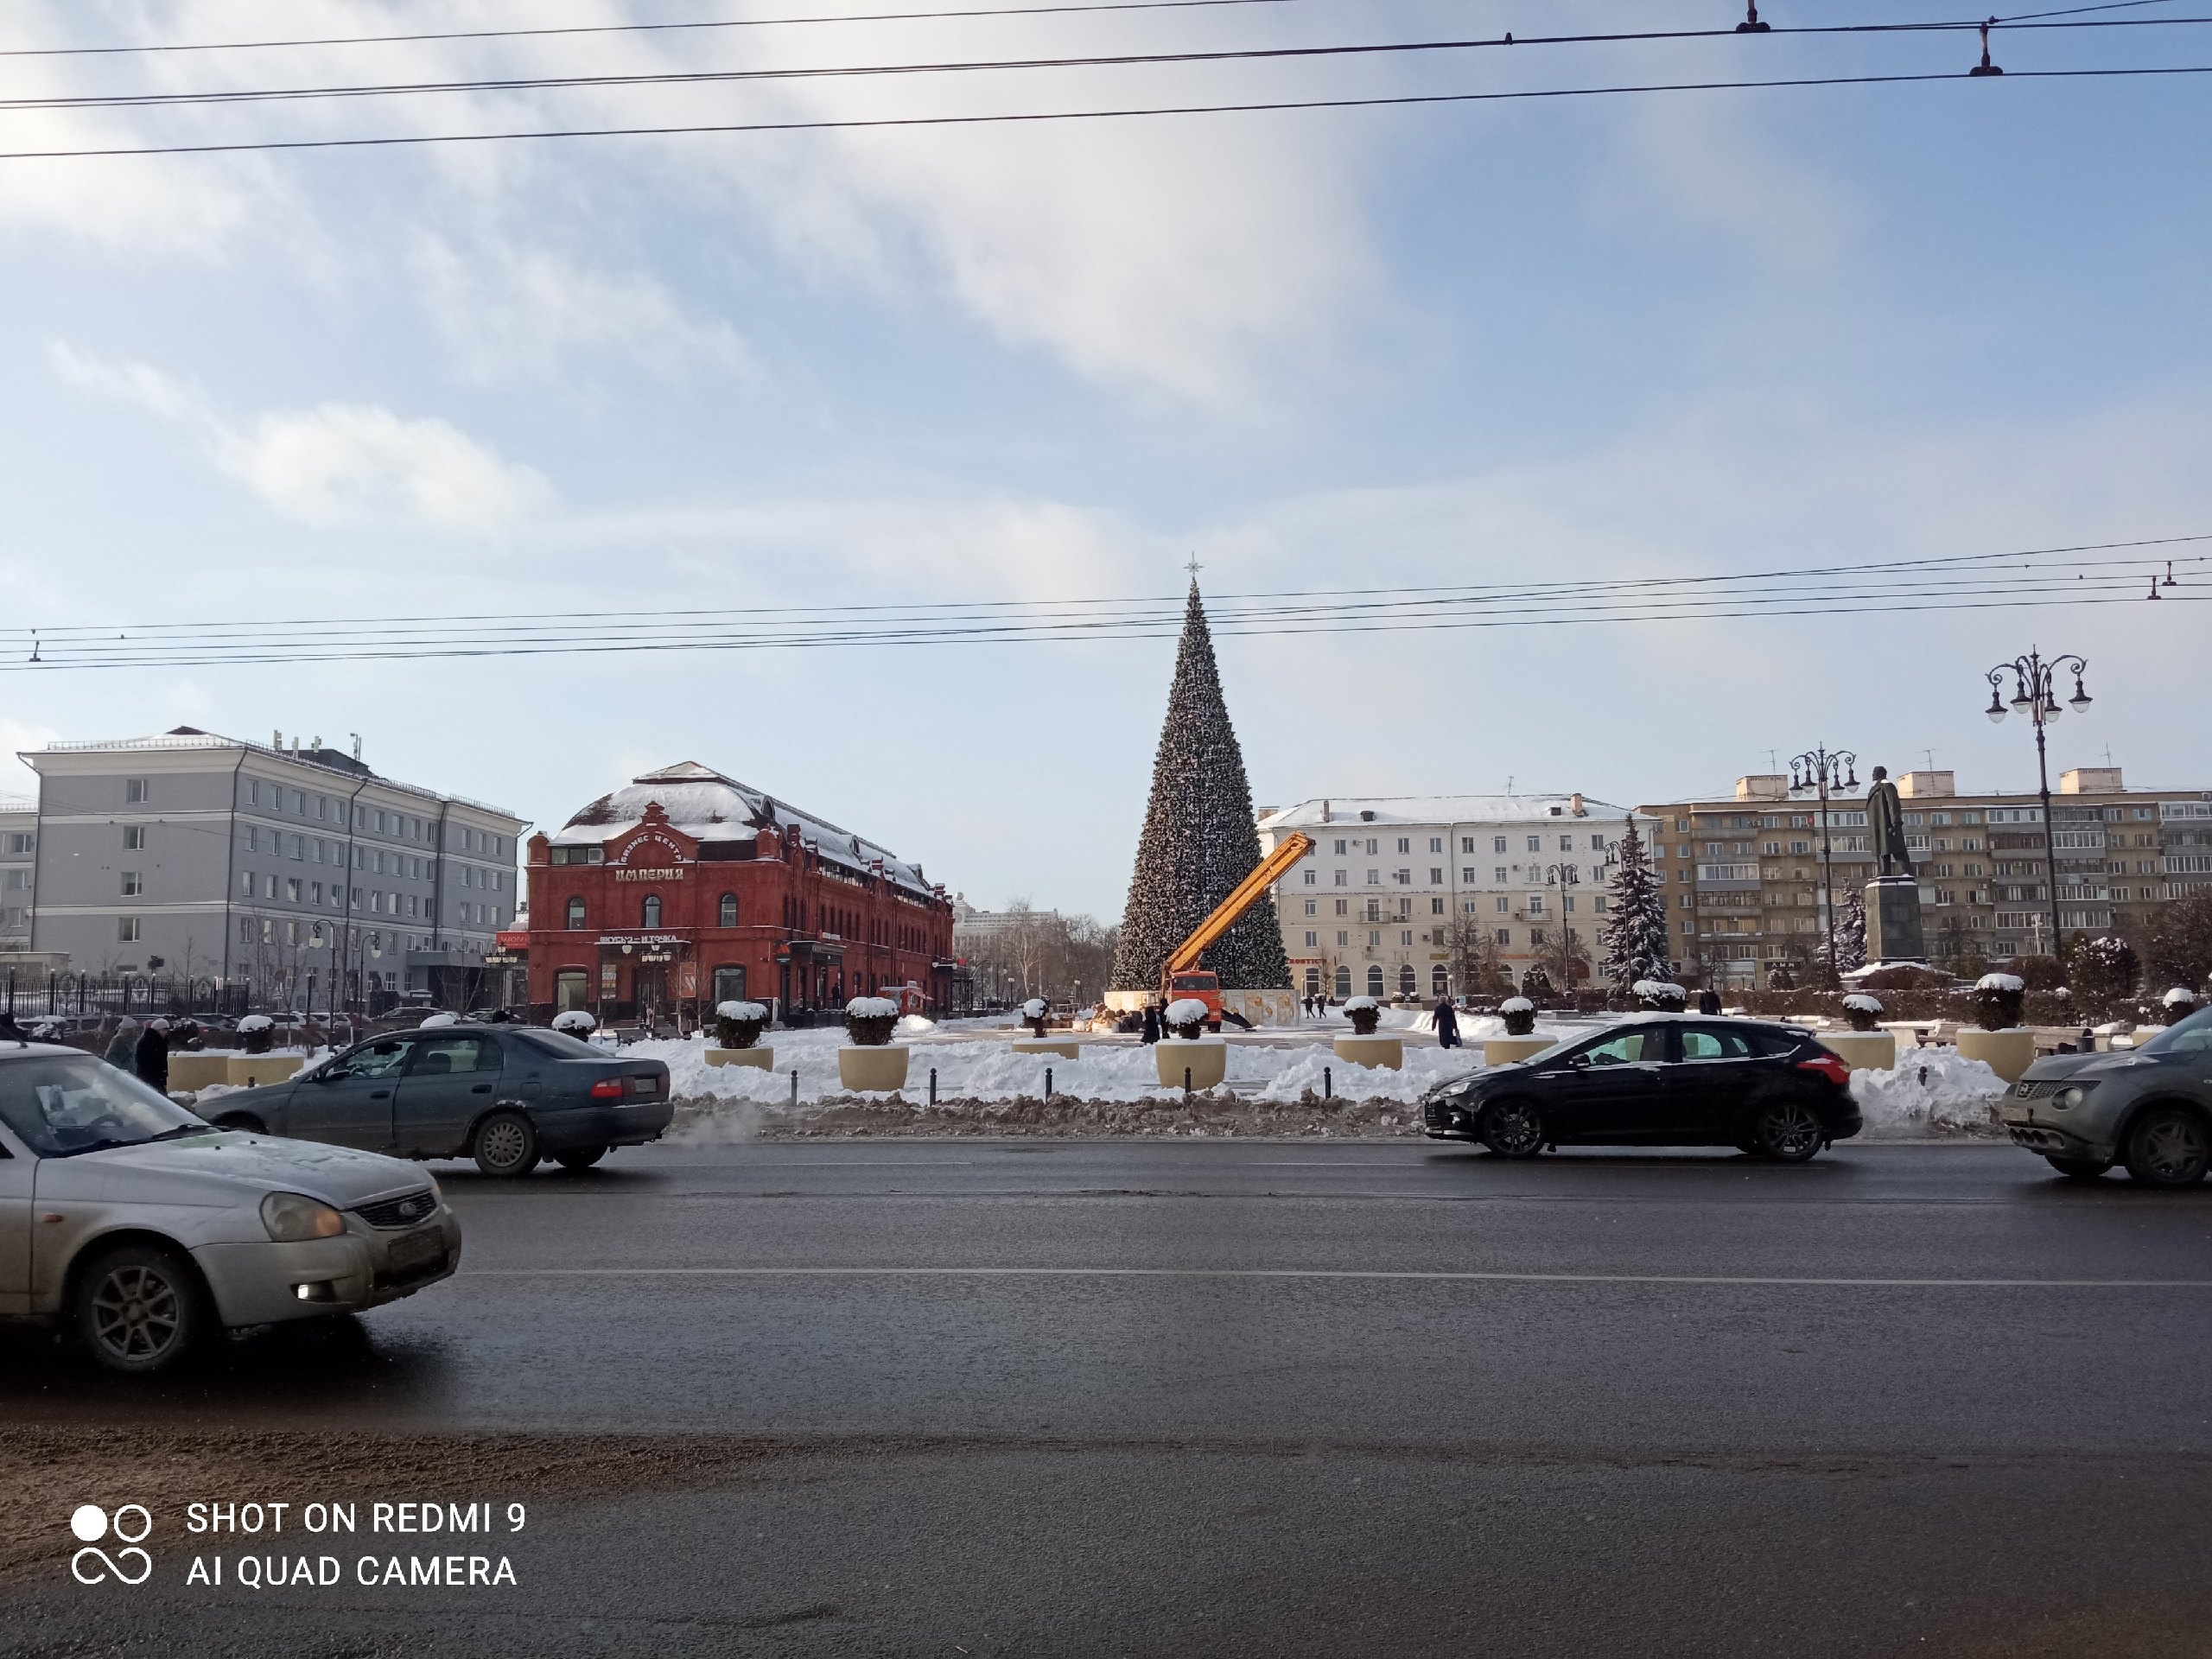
(2171, 1149)
(1513, 1129)
(1790, 1130)
(137, 1314)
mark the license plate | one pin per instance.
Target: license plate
(645, 1085)
(417, 1251)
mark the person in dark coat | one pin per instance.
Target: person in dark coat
(1447, 1024)
(151, 1062)
(1151, 1022)
(1708, 1001)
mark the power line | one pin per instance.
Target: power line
(1096, 60)
(1032, 117)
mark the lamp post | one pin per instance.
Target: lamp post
(1563, 876)
(2034, 693)
(1818, 769)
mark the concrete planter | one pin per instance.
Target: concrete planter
(1500, 1051)
(189, 1073)
(872, 1071)
(1863, 1051)
(1207, 1062)
(1064, 1046)
(2008, 1053)
(259, 1070)
(1384, 1053)
(764, 1059)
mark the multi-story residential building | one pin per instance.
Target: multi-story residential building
(1394, 888)
(202, 856)
(1748, 887)
(18, 860)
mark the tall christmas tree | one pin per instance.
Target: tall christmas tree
(1634, 937)
(1200, 838)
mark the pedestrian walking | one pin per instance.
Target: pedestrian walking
(151, 1061)
(1447, 1024)
(1152, 1022)
(123, 1048)
(1708, 1001)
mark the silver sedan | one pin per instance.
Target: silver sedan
(147, 1231)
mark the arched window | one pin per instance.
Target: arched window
(1375, 978)
(1439, 982)
(649, 913)
(576, 915)
(1344, 983)
(1407, 984)
(570, 990)
(727, 913)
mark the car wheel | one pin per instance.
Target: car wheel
(1789, 1131)
(245, 1122)
(140, 1308)
(2079, 1169)
(1514, 1128)
(2169, 1148)
(505, 1145)
(580, 1160)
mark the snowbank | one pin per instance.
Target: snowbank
(1931, 1091)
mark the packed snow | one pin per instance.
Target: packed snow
(1864, 1003)
(1930, 1091)
(1034, 1008)
(576, 1022)
(2005, 983)
(740, 1011)
(871, 1008)
(254, 1022)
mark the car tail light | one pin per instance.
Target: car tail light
(607, 1089)
(1830, 1066)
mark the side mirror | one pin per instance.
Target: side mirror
(1579, 1062)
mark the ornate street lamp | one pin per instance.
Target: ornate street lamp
(2035, 691)
(1562, 877)
(1828, 773)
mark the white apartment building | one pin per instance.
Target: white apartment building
(18, 865)
(1370, 910)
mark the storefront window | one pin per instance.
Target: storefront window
(649, 913)
(571, 989)
(729, 982)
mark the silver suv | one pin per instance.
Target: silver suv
(2149, 1108)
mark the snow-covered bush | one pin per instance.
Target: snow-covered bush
(1185, 1019)
(1997, 999)
(738, 1025)
(1033, 1015)
(1661, 995)
(1364, 1015)
(433, 1021)
(1861, 1010)
(2179, 1004)
(576, 1022)
(257, 1033)
(1519, 1014)
(869, 1020)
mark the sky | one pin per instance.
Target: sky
(1677, 333)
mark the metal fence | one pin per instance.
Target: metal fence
(26, 995)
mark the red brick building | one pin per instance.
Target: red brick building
(688, 888)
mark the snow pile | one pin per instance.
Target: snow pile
(913, 1025)
(2180, 997)
(576, 1022)
(1033, 1009)
(2005, 983)
(1516, 1005)
(1930, 1091)
(432, 1022)
(740, 1011)
(254, 1022)
(1358, 1004)
(871, 1008)
(1185, 1011)
(1862, 1002)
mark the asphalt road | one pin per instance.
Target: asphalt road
(1231, 1396)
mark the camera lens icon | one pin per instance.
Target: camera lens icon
(89, 1522)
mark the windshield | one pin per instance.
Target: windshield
(2193, 1035)
(58, 1108)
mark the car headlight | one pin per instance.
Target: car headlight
(2072, 1095)
(291, 1217)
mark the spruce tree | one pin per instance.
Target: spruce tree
(1200, 838)
(1634, 937)
(1850, 937)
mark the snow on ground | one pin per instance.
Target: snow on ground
(1931, 1091)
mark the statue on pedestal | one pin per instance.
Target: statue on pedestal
(1894, 933)
(1886, 827)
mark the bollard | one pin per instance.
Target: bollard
(794, 1086)
(932, 1085)
(1048, 1082)
(1186, 1082)
(1328, 1083)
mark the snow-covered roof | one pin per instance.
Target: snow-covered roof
(706, 806)
(1344, 811)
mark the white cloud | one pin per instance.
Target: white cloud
(336, 465)
(510, 309)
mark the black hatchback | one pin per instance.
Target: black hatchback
(1659, 1080)
(506, 1096)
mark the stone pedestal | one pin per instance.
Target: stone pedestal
(1386, 1053)
(1064, 1046)
(1207, 1062)
(189, 1073)
(1503, 1050)
(1893, 929)
(2008, 1053)
(765, 1058)
(872, 1071)
(1862, 1051)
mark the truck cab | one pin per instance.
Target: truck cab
(1202, 984)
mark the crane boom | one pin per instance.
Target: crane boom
(1271, 869)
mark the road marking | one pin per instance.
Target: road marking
(1335, 1273)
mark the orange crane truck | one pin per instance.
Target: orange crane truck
(1182, 976)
